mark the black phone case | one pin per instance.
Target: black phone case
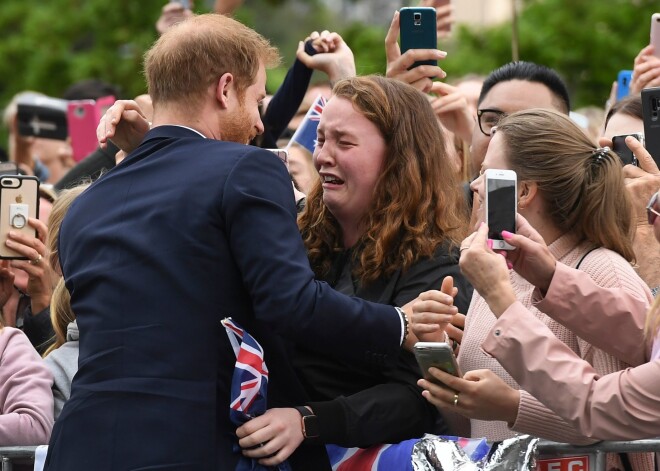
(418, 32)
(651, 111)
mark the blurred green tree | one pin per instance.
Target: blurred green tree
(587, 41)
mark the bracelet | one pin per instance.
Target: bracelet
(404, 322)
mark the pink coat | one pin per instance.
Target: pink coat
(624, 405)
(26, 399)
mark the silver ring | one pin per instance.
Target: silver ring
(455, 399)
(18, 221)
(37, 260)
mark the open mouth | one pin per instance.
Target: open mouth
(332, 180)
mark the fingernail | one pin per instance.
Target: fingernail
(440, 54)
(490, 243)
(509, 265)
(507, 234)
(11, 234)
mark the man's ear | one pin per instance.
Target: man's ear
(224, 88)
(527, 191)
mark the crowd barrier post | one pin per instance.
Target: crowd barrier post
(597, 453)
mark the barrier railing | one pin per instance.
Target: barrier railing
(16, 455)
(595, 453)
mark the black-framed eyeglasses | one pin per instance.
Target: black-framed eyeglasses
(653, 208)
(488, 119)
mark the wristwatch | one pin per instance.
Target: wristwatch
(310, 423)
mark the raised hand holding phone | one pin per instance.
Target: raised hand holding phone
(399, 66)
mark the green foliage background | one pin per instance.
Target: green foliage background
(46, 46)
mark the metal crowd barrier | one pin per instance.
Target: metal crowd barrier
(11, 455)
(595, 454)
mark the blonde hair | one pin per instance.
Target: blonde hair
(61, 315)
(582, 187)
(192, 55)
(417, 202)
(60, 304)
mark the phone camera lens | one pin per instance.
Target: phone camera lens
(417, 16)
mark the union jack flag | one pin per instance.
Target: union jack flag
(249, 386)
(305, 135)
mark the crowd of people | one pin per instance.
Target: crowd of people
(328, 266)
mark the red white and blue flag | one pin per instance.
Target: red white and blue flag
(374, 458)
(305, 135)
(249, 386)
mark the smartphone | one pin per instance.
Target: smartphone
(655, 34)
(624, 77)
(621, 149)
(19, 200)
(82, 122)
(438, 355)
(283, 155)
(418, 31)
(651, 114)
(501, 203)
(42, 116)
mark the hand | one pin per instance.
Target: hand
(642, 181)
(532, 259)
(397, 65)
(455, 331)
(41, 279)
(333, 57)
(443, 16)
(271, 437)
(6, 282)
(171, 14)
(481, 394)
(452, 109)
(125, 124)
(646, 71)
(432, 311)
(487, 271)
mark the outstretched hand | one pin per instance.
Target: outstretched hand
(433, 311)
(480, 394)
(333, 56)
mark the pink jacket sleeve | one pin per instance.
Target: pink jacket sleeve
(620, 406)
(571, 290)
(26, 399)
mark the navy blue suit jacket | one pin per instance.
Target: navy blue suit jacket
(184, 232)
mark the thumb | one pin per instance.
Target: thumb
(645, 159)
(448, 286)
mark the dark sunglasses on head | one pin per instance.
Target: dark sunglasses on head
(652, 209)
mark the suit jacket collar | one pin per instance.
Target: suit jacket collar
(169, 131)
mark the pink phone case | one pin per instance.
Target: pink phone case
(82, 122)
(83, 117)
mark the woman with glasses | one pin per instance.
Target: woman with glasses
(573, 196)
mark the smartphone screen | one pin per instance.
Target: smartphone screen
(621, 149)
(500, 204)
(418, 31)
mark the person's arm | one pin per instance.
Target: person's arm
(27, 408)
(618, 406)
(259, 211)
(573, 291)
